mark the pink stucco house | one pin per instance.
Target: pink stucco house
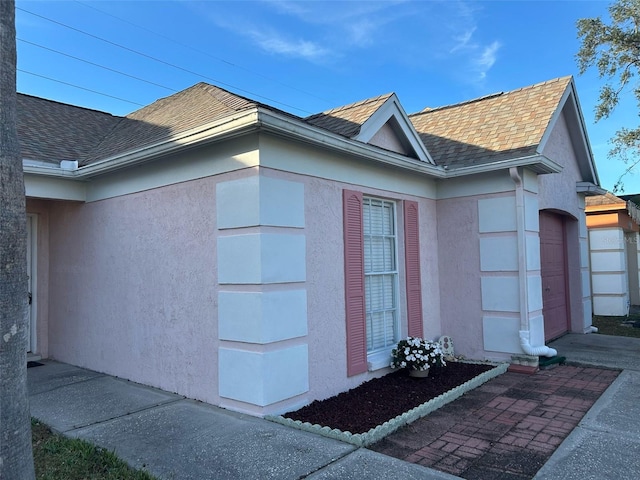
(217, 247)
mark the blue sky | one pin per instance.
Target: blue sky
(309, 56)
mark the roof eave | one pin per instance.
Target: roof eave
(589, 189)
(299, 130)
(570, 95)
(537, 163)
(228, 127)
(236, 125)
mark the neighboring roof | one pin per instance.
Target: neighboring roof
(164, 118)
(49, 131)
(491, 128)
(348, 120)
(606, 199)
(609, 202)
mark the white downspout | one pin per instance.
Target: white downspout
(522, 273)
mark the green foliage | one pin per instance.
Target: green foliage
(614, 49)
(60, 458)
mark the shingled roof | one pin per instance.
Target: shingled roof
(164, 118)
(606, 199)
(609, 201)
(492, 128)
(348, 120)
(485, 130)
(49, 131)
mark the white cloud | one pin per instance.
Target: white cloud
(462, 41)
(475, 56)
(487, 58)
(274, 43)
(362, 33)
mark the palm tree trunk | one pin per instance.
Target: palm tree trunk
(16, 458)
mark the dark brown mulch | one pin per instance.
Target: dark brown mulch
(381, 399)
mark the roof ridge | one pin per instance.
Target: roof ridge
(489, 96)
(215, 91)
(68, 104)
(348, 106)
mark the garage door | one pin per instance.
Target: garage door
(553, 263)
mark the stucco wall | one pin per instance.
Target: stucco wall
(459, 261)
(325, 281)
(478, 255)
(558, 192)
(134, 287)
(131, 287)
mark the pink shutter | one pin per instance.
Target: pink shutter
(412, 268)
(354, 283)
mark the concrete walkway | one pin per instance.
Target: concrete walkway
(176, 438)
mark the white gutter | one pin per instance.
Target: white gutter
(589, 189)
(229, 127)
(237, 125)
(280, 124)
(277, 123)
(522, 273)
(545, 164)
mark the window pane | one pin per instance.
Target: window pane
(366, 217)
(381, 276)
(367, 254)
(389, 262)
(377, 254)
(387, 218)
(376, 331)
(375, 290)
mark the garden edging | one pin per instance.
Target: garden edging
(378, 433)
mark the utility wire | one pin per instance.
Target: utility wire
(158, 60)
(96, 64)
(78, 86)
(202, 52)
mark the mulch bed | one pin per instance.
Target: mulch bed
(381, 399)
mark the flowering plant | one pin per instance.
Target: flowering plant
(416, 353)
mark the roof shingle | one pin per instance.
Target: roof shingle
(164, 118)
(348, 119)
(491, 128)
(50, 131)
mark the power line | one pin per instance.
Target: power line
(202, 52)
(159, 60)
(78, 86)
(96, 65)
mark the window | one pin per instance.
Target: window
(381, 273)
(371, 278)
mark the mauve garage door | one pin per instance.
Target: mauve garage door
(553, 263)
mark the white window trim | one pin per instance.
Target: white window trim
(381, 357)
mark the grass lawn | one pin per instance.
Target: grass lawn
(60, 458)
(621, 326)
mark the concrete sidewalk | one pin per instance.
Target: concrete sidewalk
(176, 438)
